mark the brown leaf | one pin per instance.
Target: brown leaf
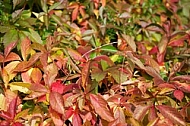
(140, 112)
(105, 58)
(85, 74)
(100, 106)
(163, 44)
(172, 114)
(56, 102)
(22, 66)
(25, 47)
(130, 41)
(1, 58)
(181, 77)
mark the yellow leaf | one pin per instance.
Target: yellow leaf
(3, 102)
(20, 86)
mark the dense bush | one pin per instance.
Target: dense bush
(94, 62)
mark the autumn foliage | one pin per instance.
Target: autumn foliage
(94, 63)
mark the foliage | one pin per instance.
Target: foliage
(94, 62)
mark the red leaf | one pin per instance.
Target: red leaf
(152, 115)
(56, 117)
(76, 120)
(172, 114)
(178, 94)
(100, 106)
(25, 46)
(57, 87)
(75, 13)
(75, 55)
(140, 112)
(17, 124)
(160, 58)
(85, 74)
(9, 48)
(1, 58)
(56, 102)
(12, 107)
(179, 42)
(12, 56)
(4, 123)
(105, 58)
(154, 50)
(182, 86)
(5, 115)
(182, 77)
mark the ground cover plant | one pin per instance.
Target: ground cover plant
(94, 63)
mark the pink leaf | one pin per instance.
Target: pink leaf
(76, 120)
(178, 94)
(25, 46)
(182, 77)
(56, 102)
(152, 115)
(100, 106)
(172, 114)
(154, 50)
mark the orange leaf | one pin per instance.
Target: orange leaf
(9, 48)
(75, 13)
(12, 56)
(25, 46)
(100, 106)
(56, 117)
(140, 112)
(56, 102)
(36, 75)
(1, 58)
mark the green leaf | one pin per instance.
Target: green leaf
(33, 36)
(20, 86)
(4, 29)
(10, 36)
(108, 48)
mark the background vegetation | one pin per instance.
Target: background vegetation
(94, 62)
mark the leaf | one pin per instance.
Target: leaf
(25, 47)
(130, 41)
(118, 75)
(182, 86)
(56, 117)
(51, 72)
(16, 2)
(38, 47)
(152, 115)
(178, 94)
(172, 114)
(119, 115)
(100, 106)
(181, 77)
(140, 112)
(105, 58)
(3, 102)
(75, 55)
(152, 72)
(22, 66)
(76, 120)
(163, 44)
(36, 75)
(33, 36)
(10, 68)
(85, 74)
(12, 107)
(4, 29)
(9, 47)
(20, 86)
(56, 102)
(57, 87)
(108, 48)
(98, 74)
(1, 58)
(12, 56)
(9, 37)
